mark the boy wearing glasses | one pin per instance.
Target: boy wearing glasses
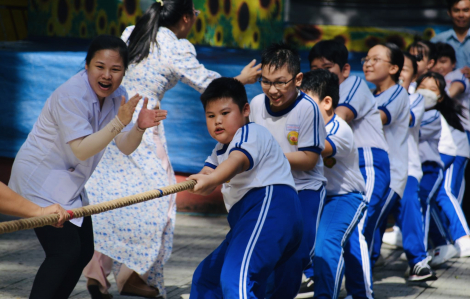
(296, 123)
(358, 108)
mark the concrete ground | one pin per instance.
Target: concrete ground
(195, 237)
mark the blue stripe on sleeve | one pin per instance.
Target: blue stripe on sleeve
(314, 149)
(351, 90)
(417, 101)
(210, 165)
(247, 154)
(394, 96)
(350, 108)
(332, 145)
(463, 82)
(355, 90)
(413, 119)
(389, 116)
(336, 128)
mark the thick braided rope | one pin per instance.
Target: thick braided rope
(28, 223)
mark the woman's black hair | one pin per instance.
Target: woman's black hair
(449, 108)
(108, 42)
(396, 58)
(413, 62)
(146, 29)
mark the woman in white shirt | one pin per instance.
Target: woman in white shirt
(66, 143)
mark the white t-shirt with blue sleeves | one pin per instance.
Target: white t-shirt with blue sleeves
(299, 127)
(394, 102)
(342, 167)
(268, 165)
(464, 97)
(367, 126)
(417, 112)
(429, 135)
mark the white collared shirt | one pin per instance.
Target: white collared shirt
(45, 170)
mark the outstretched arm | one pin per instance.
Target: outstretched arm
(11, 203)
(250, 73)
(236, 163)
(88, 146)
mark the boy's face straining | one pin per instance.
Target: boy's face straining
(280, 86)
(224, 118)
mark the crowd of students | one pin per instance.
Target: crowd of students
(311, 169)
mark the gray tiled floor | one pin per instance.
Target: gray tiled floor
(195, 237)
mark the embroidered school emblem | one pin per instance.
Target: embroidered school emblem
(293, 137)
(329, 162)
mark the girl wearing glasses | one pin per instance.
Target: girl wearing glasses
(140, 237)
(382, 67)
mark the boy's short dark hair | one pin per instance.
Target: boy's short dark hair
(413, 61)
(322, 83)
(445, 50)
(331, 50)
(225, 88)
(279, 54)
(451, 3)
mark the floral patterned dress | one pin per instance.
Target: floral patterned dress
(141, 236)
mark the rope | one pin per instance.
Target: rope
(28, 223)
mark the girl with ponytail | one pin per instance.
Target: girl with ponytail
(138, 239)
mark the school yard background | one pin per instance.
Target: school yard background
(195, 237)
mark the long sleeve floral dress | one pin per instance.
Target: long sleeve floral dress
(141, 236)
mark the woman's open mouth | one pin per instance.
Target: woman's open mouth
(104, 86)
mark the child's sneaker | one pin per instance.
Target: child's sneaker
(442, 254)
(463, 246)
(306, 289)
(394, 237)
(422, 272)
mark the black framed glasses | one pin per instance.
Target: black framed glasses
(278, 85)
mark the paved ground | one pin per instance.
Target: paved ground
(195, 237)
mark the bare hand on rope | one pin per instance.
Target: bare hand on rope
(56, 209)
(250, 73)
(205, 184)
(150, 117)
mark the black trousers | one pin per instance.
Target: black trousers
(68, 250)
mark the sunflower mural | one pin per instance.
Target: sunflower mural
(83, 18)
(246, 24)
(356, 39)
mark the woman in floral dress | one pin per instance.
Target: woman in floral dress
(136, 241)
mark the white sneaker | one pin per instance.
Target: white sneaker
(442, 254)
(463, 247)
(394, 237)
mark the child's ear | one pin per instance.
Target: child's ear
(393, 69)
(246, 110)
(431, 63)
(327, 103)
(346, 70)
(298, 79)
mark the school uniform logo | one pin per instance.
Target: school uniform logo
(329, 162)
(293, 135)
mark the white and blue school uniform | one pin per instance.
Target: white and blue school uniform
(300, 127)
(407, 211)
(375, 168)
(264, 217)
(395, 103)
(342, 211)
(46, 171)
(448, 222)
(431, 162)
